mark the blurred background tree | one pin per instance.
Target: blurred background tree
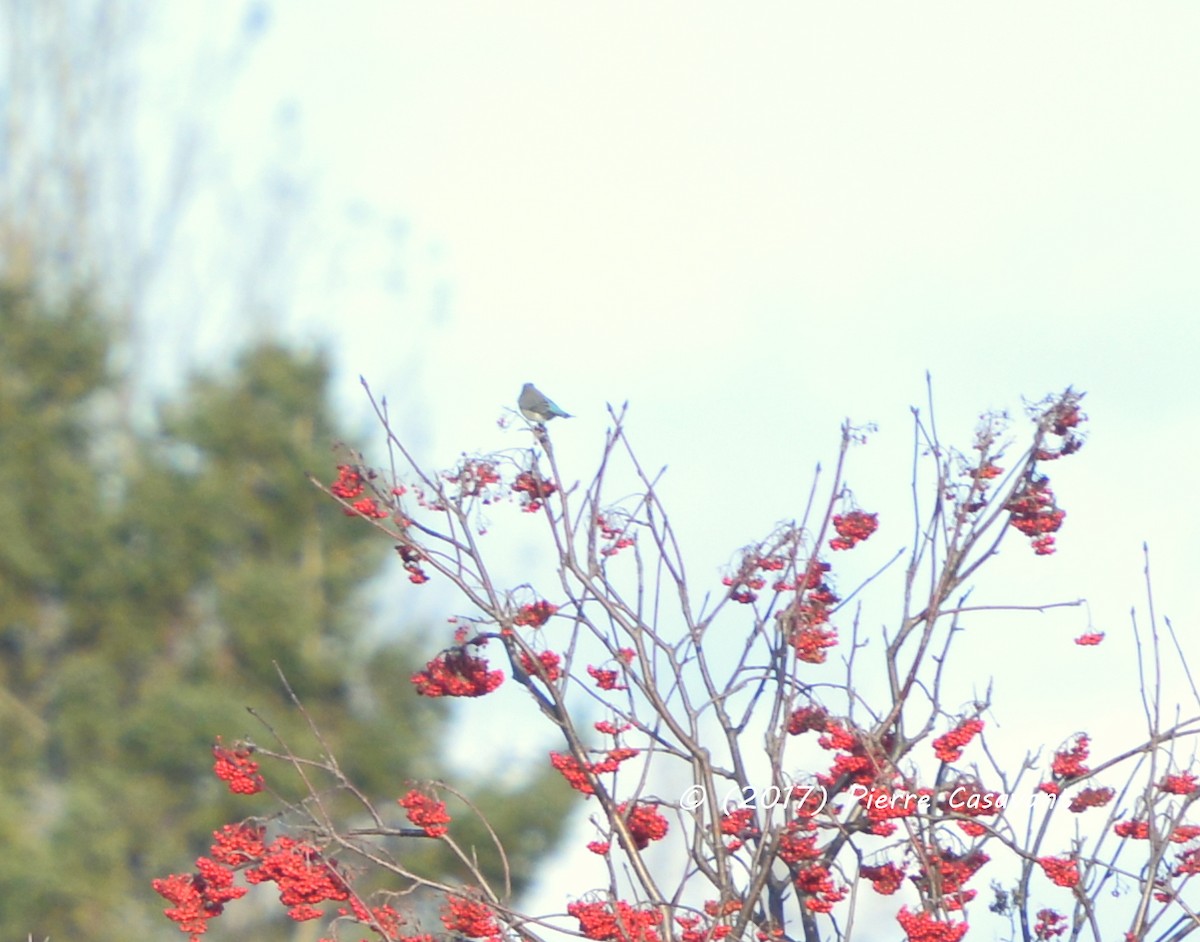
(157, 563)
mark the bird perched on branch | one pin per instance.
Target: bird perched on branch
(536, 407)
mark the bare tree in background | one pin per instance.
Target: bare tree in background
(109, 170)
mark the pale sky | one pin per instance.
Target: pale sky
(754, 222)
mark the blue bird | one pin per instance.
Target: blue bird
(536, 407)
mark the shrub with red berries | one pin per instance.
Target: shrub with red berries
(681, 711)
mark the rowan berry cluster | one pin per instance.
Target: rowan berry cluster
(304, 876)
(235, 767)
(412, 557)
(579, 775)
(886, 878)
(535, 614)
(1090, 798)
(533, 491)
(946, 871)
(949, 746)
(426, 812)
(471, 919)
(1061, 871)
(852, 529)
(547, 665)
(474, 479)
(1050, 924)
(644, 822)
(349, 484)
(804, 620)
(1183, 783)
(925, 926)
(618, 536)
(616, 921)
(1069, 763)
(456, 673)
(738, 824)
(1033, 511)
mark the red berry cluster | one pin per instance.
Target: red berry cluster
(1090, 798)
(803, 621)
(739, 824)
(470, 919)
(383, 919)
(304, 877)
(534, 492)
(717, 910)
(197, 897)
(546, 667)
(606, 678)
(238, 844)
(986, 471)
(748, 581)
(1049, 925)
(806, 718)
(795, 846)
(616, 535)
(1090, 639)
(1060, 870)
(744, 587)
(886, 878)
(577, 775)
(367, 507)
(349, 484)
(616, 922)
(644, 822)
(810, 643)
(1140, 830)
(1189, 863)
(1062, 418)
(1035, 514)
(426, 812)
(857, 763)
(949, 747)
(473, 479)
(535, 614)
(575, 772)
(952, 871)
(1182, 784)
(412, 556)
(881, 806)
(815, 885)
(1133, 829)
(982, 476)
(235, 767)
(457, 674)
(927, 927)
(853, 528)
(693, 931)
(1068, 763)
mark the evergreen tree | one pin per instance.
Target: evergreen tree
(144, 607)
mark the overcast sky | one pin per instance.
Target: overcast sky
(753, 222)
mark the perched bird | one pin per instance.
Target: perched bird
(536, 407)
